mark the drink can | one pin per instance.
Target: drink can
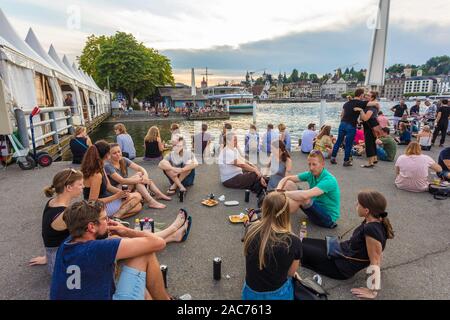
(217, 268)
(164, 274)
(152, 224)
(124, 187)
(181, 195)
(247, 196)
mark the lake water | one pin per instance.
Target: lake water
(295, 116)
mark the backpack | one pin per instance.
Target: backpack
(440, 192)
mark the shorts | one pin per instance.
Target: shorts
(187, 182)
(286, 292)
(113, 207)
(131, 285)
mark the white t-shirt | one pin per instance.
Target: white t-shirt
(308, 140)
(178, 161)
(413, 172)
(226, 164)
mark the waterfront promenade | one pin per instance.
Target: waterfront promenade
(415, 264)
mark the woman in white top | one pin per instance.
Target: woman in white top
(424, 138)
(412, 169)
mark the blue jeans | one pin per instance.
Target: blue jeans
(286, 292)
(381, 154)
(318, 215)
(347, 132)
(187, 182)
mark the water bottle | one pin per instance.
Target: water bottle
(303, 231)
(137, 225)
(147, 226)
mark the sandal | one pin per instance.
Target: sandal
(366, 166)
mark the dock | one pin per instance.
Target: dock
(415, 263)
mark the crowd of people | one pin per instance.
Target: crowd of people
(118, 262)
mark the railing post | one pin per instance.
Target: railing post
(70, 123)
(22, 128)
(54, 127)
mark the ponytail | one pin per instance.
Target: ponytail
(49, 191)
(376, 203)
(389, 230)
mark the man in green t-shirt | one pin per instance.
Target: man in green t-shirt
(322, 202)
(387, 147)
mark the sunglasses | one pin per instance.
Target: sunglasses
(70, 175)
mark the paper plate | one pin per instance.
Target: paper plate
(237, 219)
(210, 203)
(231, 203)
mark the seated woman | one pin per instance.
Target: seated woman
(280, 164)
(285, 136)
(117, 171)
(405, 135)
(412, 169)
(324, 142)
(125, 141)
(79, 144)
(272, 252)
(235, 171)
(154, 146)
(342, 261)
(119, 204)
(424, 138)
(68, 186)
(179, 167)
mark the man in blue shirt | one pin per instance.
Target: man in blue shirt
(322, 202)
(85, 262)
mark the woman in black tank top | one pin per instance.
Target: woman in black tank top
(154, 147)
(67, 185)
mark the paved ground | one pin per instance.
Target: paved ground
(415, 266)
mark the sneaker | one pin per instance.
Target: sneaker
(186, 296)
(348, 164)
(333, 161)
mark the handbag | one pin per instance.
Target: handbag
(439, 192)
(334, 249)
(309, 290)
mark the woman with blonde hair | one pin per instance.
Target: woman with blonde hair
(412, 169)
(324, 142)
(79, 144)
(272, 252)
(67, 186)
(424, 138)
(154, 146)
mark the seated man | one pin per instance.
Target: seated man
(179, 166)
(236, 172)
(308, 137)
(322, 202)
(85, 262)
(387, 147)
(444, 162)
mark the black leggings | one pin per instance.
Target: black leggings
(315, 258)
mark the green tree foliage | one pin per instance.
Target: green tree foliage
(131, 67)
(294, 76)
(304, 76)
(313, 78)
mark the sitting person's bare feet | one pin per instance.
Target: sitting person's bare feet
(162, 196)
(156, 205)
(179, 234)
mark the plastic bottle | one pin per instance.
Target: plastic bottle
(303, 231)
(147, 227)
(137, 225)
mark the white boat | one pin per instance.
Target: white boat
(239, 100)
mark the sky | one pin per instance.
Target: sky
(233, 36)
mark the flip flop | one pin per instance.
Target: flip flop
(188, 229)
(367, 166)
(171, 192)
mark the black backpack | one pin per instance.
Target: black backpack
(440, 192)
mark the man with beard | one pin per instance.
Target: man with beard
(85, 262)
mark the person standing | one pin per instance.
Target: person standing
(443, 116)
(201, 142)
(347, 128)
(430, 114)
(399, 110)
(369, 116)
(79, 144)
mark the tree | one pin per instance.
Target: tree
(304, 76)
(294, 76)
(313, 78)
(131, 67)
(285, 79)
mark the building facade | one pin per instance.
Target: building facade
(420, 85)
(394, 88)
(334, 90)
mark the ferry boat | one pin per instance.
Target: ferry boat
(239, 100)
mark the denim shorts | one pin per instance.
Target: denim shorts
(131, 285)
(286, 292)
